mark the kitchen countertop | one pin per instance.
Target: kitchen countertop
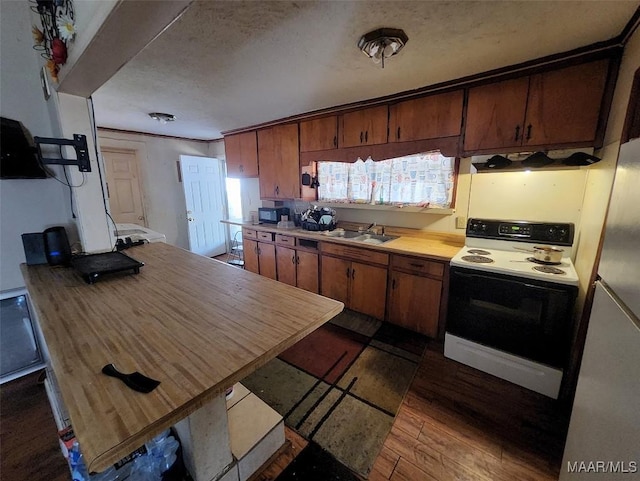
(410, 241)
(193, 323)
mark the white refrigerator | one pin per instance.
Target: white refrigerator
(603, 442)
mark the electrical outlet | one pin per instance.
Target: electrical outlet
(461, 222)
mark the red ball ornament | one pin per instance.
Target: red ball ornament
(58, 51)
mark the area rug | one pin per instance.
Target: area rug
(342, 385)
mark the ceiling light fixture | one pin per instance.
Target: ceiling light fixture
(382, 43)
(162, 117)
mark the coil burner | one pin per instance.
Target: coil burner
(549, 270)
(479, 252)
(477, 259)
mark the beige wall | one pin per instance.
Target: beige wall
(163, 193)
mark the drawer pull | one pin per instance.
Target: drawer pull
(418, 266)
(348, 272)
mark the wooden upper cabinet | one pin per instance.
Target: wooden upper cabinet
(428, 117)
(319, 134)
(364, 127)
(547, 110)
(495, 115)
(564, 105)
(279, 161)
(241, 151)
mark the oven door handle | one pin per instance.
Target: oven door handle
(542, 288)
(524, 284)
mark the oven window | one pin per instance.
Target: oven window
(524, 317)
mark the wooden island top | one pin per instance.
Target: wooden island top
(193, 323)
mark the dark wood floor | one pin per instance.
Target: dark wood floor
(29, 449)
(455, 423)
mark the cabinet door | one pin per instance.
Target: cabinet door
(250, 252)
(426, 118)
(368, 289)
(267, 164)
(307, 275)
(495, 115)
(287, 161)
(319, 134)
(241, 152)
(564, 105)
(286, 263)
(335, 275)
(414, 302)
(267, 254)
(365, 127)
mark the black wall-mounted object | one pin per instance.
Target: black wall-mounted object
(79, 143)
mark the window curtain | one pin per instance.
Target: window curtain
(424, 180)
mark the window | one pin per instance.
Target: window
(424, 180)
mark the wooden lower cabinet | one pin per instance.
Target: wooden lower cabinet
(260, 257)
(360, 286)
(414, 302)
(415, 293)
(307, 271)
(297, 268)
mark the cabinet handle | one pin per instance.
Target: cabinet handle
(256, 250)
(398, 136)
(393, 284)
(419, 266)
(293, 259)
(297, 260)
(529, 132)
(348, 272)
(361, 136)
(241, 168)
(353, 273)
(366, 136)
(517, 133)
(335, 140)
(277, 190)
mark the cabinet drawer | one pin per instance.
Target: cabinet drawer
(265, 236)
(417, 265)
(249, 234)
(355, 253)
(286, 240)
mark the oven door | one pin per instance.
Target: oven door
(525, 317)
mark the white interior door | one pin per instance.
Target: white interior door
(123, 186)
(203, 183)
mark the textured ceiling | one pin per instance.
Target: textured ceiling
(229, 64)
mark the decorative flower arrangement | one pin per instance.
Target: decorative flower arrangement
(58, 30)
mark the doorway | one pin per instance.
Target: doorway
(204, 193)
(123, 186)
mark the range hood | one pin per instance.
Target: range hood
(530, 161)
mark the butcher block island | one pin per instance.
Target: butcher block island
(195, 324)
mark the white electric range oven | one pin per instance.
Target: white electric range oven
(508, 314)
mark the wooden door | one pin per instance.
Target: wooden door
(429, 117)
(414, 302)
(124, 186)
(365, 127)
(319, 134)
(495, 115)
(335, 275)
(368, 290)
(307, 272)
(241, 151)
(287, 161)
(250, 252)
(267, 260)
(286, 265)
(564, 105)
(267, 164)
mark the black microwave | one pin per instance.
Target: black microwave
(272, 215)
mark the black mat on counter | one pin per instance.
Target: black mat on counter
(315, 464)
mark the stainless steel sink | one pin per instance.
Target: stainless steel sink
(374, 238)
(343, 234)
